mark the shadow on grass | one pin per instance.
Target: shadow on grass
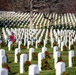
(13, 73)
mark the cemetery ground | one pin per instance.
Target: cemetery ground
(15, 67)
(21, 20)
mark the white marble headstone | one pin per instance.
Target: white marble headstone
(19, 44)
(40, 57)
(57, 54)
(60, 68)
(3, 71)
(62, 44)
(52, 41)
(36, 43)
(23, 59)
(3, 59)
(28, 44)
(44, 49)
(71, 54)
(33, 69)
(17, 50)
(9, 45)
(45, 42)
(31, 50)
(2, 52)
(54, 50)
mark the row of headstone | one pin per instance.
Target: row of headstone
(61, 42)
(38, 19)
(19, 42)
(23, 58)
(62, 38)
(41, 55)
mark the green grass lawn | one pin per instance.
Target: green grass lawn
(14, 67)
